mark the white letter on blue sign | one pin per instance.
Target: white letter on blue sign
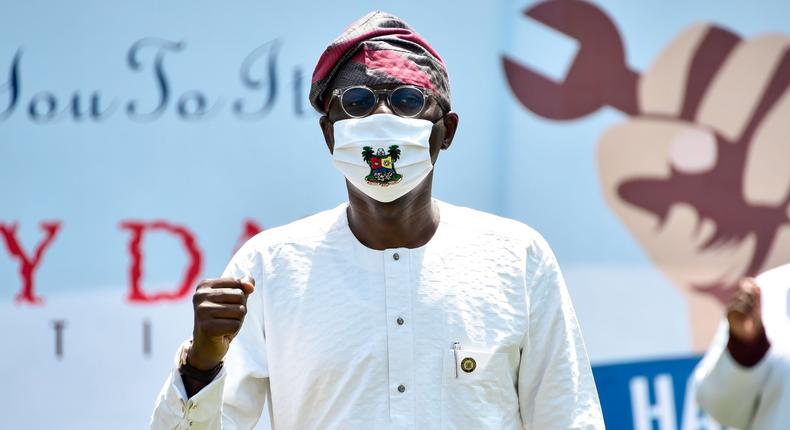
(662, 411)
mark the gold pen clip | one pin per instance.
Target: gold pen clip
(456, 348)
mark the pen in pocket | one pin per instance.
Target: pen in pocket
(456, 348)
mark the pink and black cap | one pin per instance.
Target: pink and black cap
(379, 48)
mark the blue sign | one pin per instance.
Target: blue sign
(651, 395)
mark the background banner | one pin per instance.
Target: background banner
(142, 142)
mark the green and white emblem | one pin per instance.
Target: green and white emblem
(382, 165)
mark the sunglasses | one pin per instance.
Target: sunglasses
(360, 101)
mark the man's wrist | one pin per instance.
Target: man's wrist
(203, 376)
(749, 353)
(201, 364)
(196, 357)
(192, 365)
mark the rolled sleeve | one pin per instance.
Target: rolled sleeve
(234, 400)
(174, 410)
(726, 390)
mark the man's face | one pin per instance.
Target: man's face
(441, 134)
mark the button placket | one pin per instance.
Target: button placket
(399, 336)
(187, 408)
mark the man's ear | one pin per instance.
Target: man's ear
(450, 126)
(329, 133)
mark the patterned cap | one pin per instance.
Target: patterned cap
(379, 48)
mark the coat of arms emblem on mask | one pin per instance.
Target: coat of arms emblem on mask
(382, 165)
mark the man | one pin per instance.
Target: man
(746, 384)
(394, 310)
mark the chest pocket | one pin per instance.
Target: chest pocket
(478, 391)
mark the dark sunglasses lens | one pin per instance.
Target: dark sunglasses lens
(359, 101)
(407, 101)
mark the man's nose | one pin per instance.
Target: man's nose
(382, 106)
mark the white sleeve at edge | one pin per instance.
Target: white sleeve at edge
(235, 399)
(726, 390)
(174, 411)
(555, 383)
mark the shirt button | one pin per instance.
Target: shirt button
(400, 321)
(401, 388)
(396, 256)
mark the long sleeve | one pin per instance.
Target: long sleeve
(236, 397)
(726, 390)
(555, 383)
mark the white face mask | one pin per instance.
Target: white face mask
(384, 156)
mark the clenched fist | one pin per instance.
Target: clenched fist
(220, 306)
(701, 177)
(744, 313)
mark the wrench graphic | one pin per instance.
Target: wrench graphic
(598, 75)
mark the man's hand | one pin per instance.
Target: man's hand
(220, 306)
(744, 313)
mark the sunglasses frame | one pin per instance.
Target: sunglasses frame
(340, 92)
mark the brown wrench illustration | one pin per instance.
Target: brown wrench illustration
(598, 75)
